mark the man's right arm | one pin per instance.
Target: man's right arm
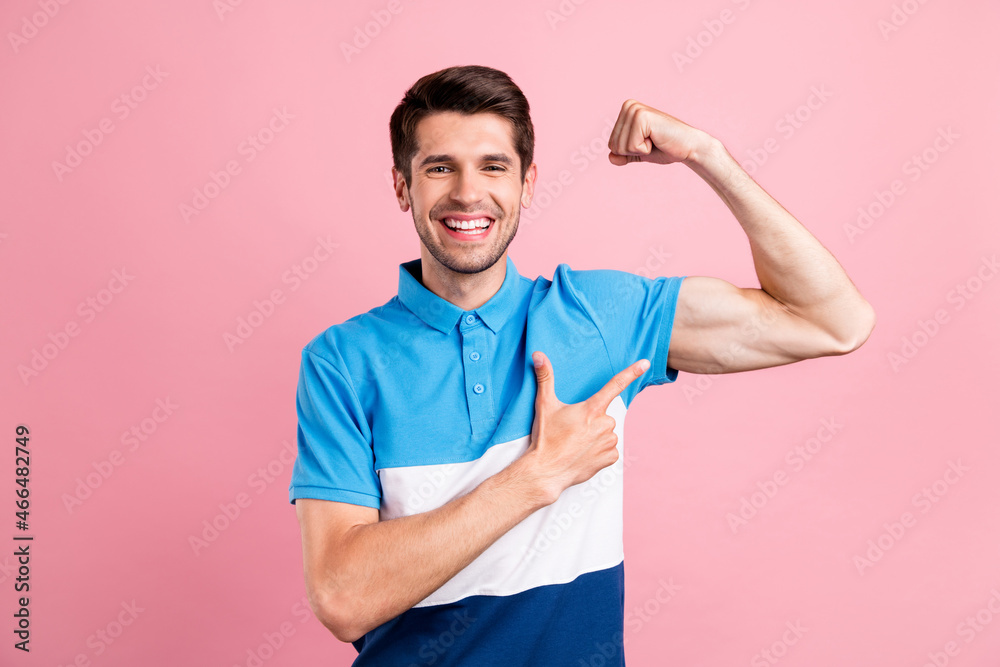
(361, 572)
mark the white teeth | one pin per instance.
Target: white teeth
(467, 224)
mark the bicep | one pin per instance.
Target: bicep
(721, 328)
(325, 525)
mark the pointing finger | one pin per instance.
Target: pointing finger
(616, 385)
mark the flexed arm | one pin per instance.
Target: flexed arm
(806, 305)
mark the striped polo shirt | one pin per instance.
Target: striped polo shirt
(417, 401)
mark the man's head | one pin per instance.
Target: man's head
(469, 89)
(462, 147)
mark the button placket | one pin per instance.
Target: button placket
(475, 337)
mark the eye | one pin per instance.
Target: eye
(431, 170)
(496, 166)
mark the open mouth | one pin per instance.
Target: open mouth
(470, 230)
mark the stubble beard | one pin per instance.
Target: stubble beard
(470, 261)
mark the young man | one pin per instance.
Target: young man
(459, 506)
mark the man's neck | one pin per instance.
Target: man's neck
(468, 291)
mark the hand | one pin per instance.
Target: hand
(644, 134)
(570, 443)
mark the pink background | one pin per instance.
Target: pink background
(699, 447)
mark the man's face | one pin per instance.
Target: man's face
(466, 170)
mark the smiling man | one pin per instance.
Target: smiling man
(458, 504)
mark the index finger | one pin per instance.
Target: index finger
(616, 385)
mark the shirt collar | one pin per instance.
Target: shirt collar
(444, 315)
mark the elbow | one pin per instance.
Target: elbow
(338, 617)
(856, 331)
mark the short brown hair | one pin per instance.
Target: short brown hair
(467, 89)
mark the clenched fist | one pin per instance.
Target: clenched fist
(645, 134)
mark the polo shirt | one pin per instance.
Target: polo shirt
(417, 401)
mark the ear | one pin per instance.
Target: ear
(402, 192)
(528, 189)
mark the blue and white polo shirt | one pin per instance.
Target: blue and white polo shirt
(416, 402)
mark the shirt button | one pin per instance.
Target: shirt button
(474, 356)
(478, 388)
(470, 319)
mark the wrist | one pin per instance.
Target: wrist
(706, 150)
(526, 483)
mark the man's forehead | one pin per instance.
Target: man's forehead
(459, 131)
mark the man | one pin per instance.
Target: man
(459, 507)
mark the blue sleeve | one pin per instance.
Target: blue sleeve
(335, 459)
(635, 316)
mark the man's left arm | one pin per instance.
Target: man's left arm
(806, 306)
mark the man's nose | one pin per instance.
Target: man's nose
(467, 188)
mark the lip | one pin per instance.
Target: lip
(462, 216)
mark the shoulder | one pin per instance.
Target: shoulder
(345, 343)
(604, 289)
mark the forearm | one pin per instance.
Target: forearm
(792, 266)
(386, 567)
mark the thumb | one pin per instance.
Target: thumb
(544, 378)
(621, 160)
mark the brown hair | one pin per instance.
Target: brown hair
(467, 89)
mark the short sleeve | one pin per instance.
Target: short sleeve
(635, 316)
(335, 460)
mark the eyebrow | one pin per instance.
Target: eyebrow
(492, 157)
